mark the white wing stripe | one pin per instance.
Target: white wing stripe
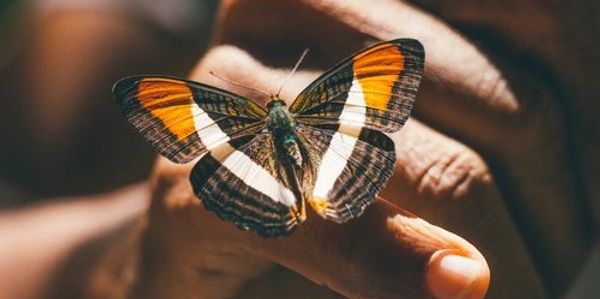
(209, 132)
(258, 178)
(237, 162)
(340, 148)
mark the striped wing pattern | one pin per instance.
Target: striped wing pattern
(376, 88)
(184, 119)
(350, 169)
(238, 175)
(242, 183)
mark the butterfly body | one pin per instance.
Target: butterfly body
(280, 121)
(281, 126)
(259, 167)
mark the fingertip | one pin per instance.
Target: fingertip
(451, 274)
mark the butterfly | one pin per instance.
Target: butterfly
(259, 167)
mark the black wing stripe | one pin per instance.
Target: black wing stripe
(370, 166)
(364, 172)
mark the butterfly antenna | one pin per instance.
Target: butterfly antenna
(292, 72)
(238, 83)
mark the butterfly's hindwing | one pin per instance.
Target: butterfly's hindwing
(376, 87)
(350, 169)
(184, 119)
(242, 183)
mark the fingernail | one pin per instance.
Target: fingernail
(453, 276)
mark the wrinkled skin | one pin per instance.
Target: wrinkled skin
(498, 161)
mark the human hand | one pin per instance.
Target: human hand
(501, 110)
(528, 109)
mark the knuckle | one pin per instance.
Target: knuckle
(492, 88)
(518, 95)
(454, 176)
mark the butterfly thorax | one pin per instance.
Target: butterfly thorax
(281, 125)
(280, 120)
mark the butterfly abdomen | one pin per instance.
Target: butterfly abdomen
(280, 121)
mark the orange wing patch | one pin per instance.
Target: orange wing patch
(376, 71)
(319, 204)
(170, 101)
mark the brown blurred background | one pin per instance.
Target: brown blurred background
(58, 62)
(62, 134)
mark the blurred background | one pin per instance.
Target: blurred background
(58, 61)
(62, 135)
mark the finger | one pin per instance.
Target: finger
(550, 33)
(531, 27)
(384, 254)
(518, 124)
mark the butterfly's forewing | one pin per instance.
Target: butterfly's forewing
(184, 119)
(375, 88)
(345, 109)
(242, 182)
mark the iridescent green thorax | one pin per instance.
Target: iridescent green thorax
(281, 121)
